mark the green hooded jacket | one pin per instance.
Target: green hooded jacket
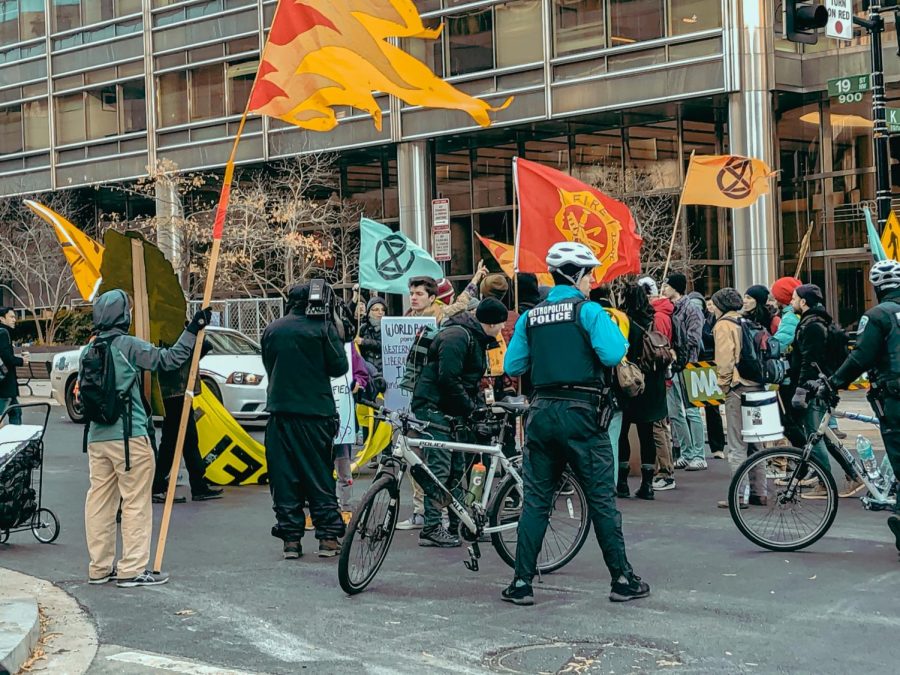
(131, 355)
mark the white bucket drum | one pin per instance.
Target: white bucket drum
(760, 418)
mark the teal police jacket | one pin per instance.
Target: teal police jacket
(609, 344)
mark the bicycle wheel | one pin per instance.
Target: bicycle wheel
(790, 520)
(567, 528)
(369, 535)
(45, 526)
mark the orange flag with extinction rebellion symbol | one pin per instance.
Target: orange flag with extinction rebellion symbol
(731, 181)
(326, 53)
(555, 207)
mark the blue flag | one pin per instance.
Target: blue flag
(388, 259)
(874, 240)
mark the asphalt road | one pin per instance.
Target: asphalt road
(719, 605)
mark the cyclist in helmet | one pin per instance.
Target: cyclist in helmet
(569, 346)
(878, 352)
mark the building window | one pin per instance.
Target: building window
(173, 99)
(70, 119)
(21, 20)
(691, 16)
(578, 25)
(471, 41)
(240, 81)
(134, 107)
(207, 92)
(11, 130)
(633, 21)
(519, 33)
(36, 119)
(429, 52)
(69, 14)
(102, 112)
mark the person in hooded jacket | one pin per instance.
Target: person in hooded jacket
(9, 385)
(369, 339)
(446, 393)
(111, 480)
(715, 431)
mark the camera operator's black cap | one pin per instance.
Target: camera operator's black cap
(298, 296)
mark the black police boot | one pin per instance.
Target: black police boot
(622, 489)
(894, 524)
(628, 587)
(645, 491)
(519, 592)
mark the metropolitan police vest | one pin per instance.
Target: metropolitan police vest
(889, 368)
(561, 350)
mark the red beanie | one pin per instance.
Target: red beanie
(445, 291)
(783, 289)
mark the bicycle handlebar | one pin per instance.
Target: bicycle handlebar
(400, 418)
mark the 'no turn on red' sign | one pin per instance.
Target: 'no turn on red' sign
(840, 19)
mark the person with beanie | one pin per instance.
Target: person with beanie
(494, 286)
(649, 286)
(369, 338)
(782, 291)
(727, 307)
(756, 306)
(447, 391)
(687, 341)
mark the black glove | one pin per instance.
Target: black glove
(799, 401)
(200, 321)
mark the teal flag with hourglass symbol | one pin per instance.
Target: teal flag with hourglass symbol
(388, 259)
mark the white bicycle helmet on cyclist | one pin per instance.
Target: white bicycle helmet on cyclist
(885, 275)
(574, 255)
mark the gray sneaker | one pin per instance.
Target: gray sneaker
(696, 465)
(663, 483)
(145, 578)
(415, 522)
(682, 463)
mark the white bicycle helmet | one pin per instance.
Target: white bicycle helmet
(885, 275)
(573, 254)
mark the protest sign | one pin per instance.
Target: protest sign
(342, 390)
(397, 337)
(701, 385)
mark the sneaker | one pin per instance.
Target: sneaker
(894, 524)
(628, 588)
(519, 592)
(415, 522)
(145, 578)
(346, 516)
(438, 537)
(818, 492)
(328, 548)
(112, 576)
(663, 483)
(852, 489)
(696, 465)
(292, 550)
(718, 454)
(160, 498)
(724, 504)
(682, 463)
(207, 495)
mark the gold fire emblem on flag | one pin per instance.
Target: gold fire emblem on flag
(583, 218)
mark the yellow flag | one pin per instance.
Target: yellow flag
(890, 238)
(731, 181)
(83, 253)
(326, 53)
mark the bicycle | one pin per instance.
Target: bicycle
(787, 521)
(495, 513)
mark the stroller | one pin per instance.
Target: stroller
(21, 458)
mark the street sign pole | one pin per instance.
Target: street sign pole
(875, 26)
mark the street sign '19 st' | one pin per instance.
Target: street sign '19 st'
(849, 89)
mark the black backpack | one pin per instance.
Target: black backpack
(760, 360)
(100, 400)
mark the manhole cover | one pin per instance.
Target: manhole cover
(618, 656)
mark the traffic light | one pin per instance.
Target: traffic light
(802, 19)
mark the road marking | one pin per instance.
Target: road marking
(148, 660)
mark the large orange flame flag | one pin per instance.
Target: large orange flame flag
(326, 53)
(555, 207)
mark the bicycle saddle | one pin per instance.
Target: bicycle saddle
(517, 405)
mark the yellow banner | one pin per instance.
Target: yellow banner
(725, 180)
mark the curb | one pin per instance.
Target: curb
(20, 630)
(69, 642)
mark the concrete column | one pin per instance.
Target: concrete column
(414, 188)
(751, 132)
(169, 216)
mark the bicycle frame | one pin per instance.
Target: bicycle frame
(848, 460)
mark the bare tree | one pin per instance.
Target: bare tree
(33, 268)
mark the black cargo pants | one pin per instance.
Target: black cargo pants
(301, 469)
(447, 466)
(557, 433)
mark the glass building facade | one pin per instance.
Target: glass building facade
(613, 91)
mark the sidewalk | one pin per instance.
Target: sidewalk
(62, 639)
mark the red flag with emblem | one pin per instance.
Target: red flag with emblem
(555, 207)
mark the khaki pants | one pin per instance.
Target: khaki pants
(736, 449)
(665, 467)
(109, 481)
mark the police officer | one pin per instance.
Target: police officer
(568, 346)
(301, 352)
(878, 352)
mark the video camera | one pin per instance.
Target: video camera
(321, 301)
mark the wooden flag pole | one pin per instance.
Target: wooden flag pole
(804, 247)
(677, 218)
(218, 226)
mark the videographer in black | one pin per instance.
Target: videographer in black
(301, 352)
